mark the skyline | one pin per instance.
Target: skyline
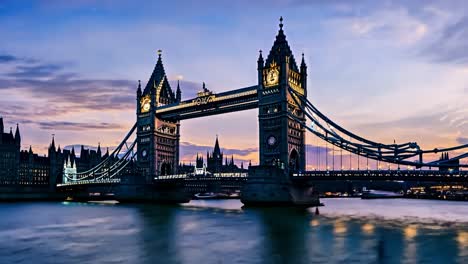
(362, 59)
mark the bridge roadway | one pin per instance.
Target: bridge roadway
(345, 175)
(384, 175)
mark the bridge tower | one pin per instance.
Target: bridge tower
(281, 135)
(282, 138)
(158, 139)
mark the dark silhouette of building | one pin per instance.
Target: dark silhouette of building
(27, 168)
(34, 169)
(214, 162)
(451, 165)
(9, 155)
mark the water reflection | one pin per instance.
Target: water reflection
(221, 232)
(284, 233)
(410, 231)
(314, 222)
(368, 228)
(339, 227)
(159, 234)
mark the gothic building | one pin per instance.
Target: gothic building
(214, 163)
(158, 139)
(9, 155)
(24, 167)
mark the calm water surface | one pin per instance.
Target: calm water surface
(202, 232)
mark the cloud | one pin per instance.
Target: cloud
(462, 140)
(6, 58)
(33, 71)
(452, 44)
(76, 126)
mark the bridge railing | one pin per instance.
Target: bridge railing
(171, 177)
(402, 173)
(208, 175)
(83, 182)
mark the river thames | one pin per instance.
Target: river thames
(220, 231)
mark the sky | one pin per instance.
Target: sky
(385, 70)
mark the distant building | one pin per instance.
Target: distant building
(9, 155)
(27, 168)
(452, 165)
(214, 163)
(34, 169)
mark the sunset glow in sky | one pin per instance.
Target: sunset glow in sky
(386, 70)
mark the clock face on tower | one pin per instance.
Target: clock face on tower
(145, 104)
(272, 77)
(144, 153)
(271, 140)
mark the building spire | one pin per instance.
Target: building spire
(52, 145)
(1, 126)
(303, 61)
(139, 89)
(30, 149)
(178, 92)
(17, 135)
(99, 149)
(157, 76)
(217, 149)
(281, 51)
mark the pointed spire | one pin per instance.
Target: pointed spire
(216, 150)
(178, 92)
(30, 149)
(225, 161)
(281, 52)
(303, 64)
(242, 165)
(250, 163)
(82, 152)
(73, 151)
(232, 160)
(52, 145)
(260, 56)
(157, 75)
(17, 135)
(107, 151)
(99, 149)
(139, 89)
(59, 150)
(11, 131)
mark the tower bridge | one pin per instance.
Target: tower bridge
(285, 116)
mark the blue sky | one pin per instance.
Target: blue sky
(383, 69)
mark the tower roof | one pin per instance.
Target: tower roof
(281, 50)
(17, 134)
(157, 75)
(216, 150)
(160, 83)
